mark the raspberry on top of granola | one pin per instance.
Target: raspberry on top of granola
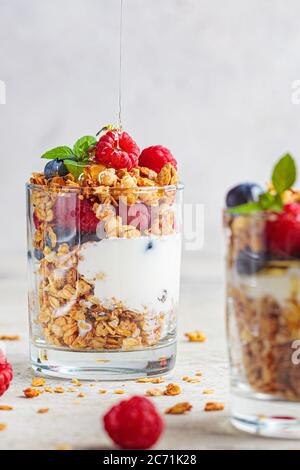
(114, 160)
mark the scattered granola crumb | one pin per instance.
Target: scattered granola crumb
(5, 408)
(64, 447)
(81, 395)
(42, 411)
(179, 408)
(103, 361)
(76, 382)
(154, 380)
(214, 406)
(154, 392)
(70, 389)
(37, 382)
(198, 374)
(172, 390)
(48, 389)
(196, 336)
(3, 426)
(208, 391)
(59, 390)
(191, 380)
(119, 392)
(102, 392)
(31, 392)
(10, 338)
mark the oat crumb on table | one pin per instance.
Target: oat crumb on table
(81, 395)
(154, 380)
(76, 382)
(191, 380)
(119, 392)
(154, 392)
(172, 390)
(42, 411)
(196, 336)
(5, 408)
(179, 408)
(208, 391)
(59, 390)
(3, 426)
(102, 392)
(31, 392)
(214, 406)
(10, 338)
(37, 382)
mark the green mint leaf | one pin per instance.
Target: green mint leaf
(269, 201)
(247, 208)
(284, 174)
(58, 152)
(83, 145)
(75, 168)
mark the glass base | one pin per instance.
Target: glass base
(103, 365)
(265, 415)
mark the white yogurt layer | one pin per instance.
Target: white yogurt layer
(140, 272)
(280, 284)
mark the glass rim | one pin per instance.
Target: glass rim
(172, 187)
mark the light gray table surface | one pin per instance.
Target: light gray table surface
(79, 425)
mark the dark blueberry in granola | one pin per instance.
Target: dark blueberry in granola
(65, 235)
(150, 245)
(55, 168)
(89, 237)
(39, 254)
(243, 193)
(250, 262)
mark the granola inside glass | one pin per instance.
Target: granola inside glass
(104, 248)
(263, 303)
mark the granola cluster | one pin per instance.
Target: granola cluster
(68, 312)
(267, 330)
(263, 308)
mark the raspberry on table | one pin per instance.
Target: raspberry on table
(156, 157)
(283, 231)
(116, 149)
(134, 423)
(6, 374)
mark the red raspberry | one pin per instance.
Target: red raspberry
(156, 157)
(86, 218)
(73, 213)
(37, 222)
(6, 374)
(134, 423)
(117, 149)
(283, 231)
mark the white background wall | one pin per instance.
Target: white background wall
(210, 79)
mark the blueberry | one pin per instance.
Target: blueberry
(48, 241)
(149, 245)
(250, 262)
(38, 254)
(243, 193)
(66, 235)
(55, 168)
(89, 237)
